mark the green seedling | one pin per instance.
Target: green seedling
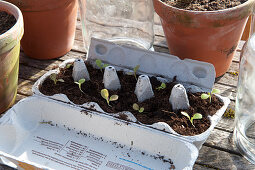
(195, 116)
(134, 71)
(101, 65)
(161, 87)
(136, 107)
(68, 66)
(205, 96)
(80, 82)
(105, 95)
(53, 77)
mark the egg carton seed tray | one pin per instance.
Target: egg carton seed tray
(198, 140)
(49, 134)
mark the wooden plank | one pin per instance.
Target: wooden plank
(228, 79)
(72, 54)
(199, 167)
(30, 73)
(40, 64)
(25, 87)
(227, 123)
(223, 140)
(222, 160)
(78, 46)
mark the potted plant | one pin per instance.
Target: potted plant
(158, 102)
(11, 32)
(211, 36)
(49, 27)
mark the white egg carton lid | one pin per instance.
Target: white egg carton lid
(51, 134)
(198, 75)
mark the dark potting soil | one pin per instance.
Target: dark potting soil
(6, 21)
(156, 109)
(204, 5)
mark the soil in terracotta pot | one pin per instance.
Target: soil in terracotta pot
(204, 5)
(156, 109)
(6, 21)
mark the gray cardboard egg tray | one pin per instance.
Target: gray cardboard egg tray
(51, 132)
(196, 76)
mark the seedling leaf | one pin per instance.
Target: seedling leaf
(99, 63)
(162, 86)
(105, 94)
(195, 116)
(136, 68)
(114, 97)
(135, 107)
(134, 71)
(205, 96)
(61, 80)
(81, 81)
(105, 65)
(185, 114)
(68, 65)
(215, 91)
(141, 110)
(209, 95)
(53, 77)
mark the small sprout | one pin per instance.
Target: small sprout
(137, 108)
(234, 73)
(205, 96)
(101, 65)
(68, 66)
(80, 82)
(105, 95)
(161, 87)
(53, 77)
(134, 71)
(195, 116)
(230, 113)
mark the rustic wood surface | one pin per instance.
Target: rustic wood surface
(218, 152)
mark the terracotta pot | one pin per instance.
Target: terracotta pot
(247, 30)
(210, 36)
(49, 27)
(9, 57)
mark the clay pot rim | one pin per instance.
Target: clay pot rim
(17, 28)
(208, 12)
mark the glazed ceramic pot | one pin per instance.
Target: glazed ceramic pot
(210, 36)
(9, 57)
(49, 27)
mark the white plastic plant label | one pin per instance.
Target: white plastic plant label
(54, 135)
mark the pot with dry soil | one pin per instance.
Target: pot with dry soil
(203, 30)
(11, 32)
(147, 97)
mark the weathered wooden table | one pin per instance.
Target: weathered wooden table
(218, 152)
